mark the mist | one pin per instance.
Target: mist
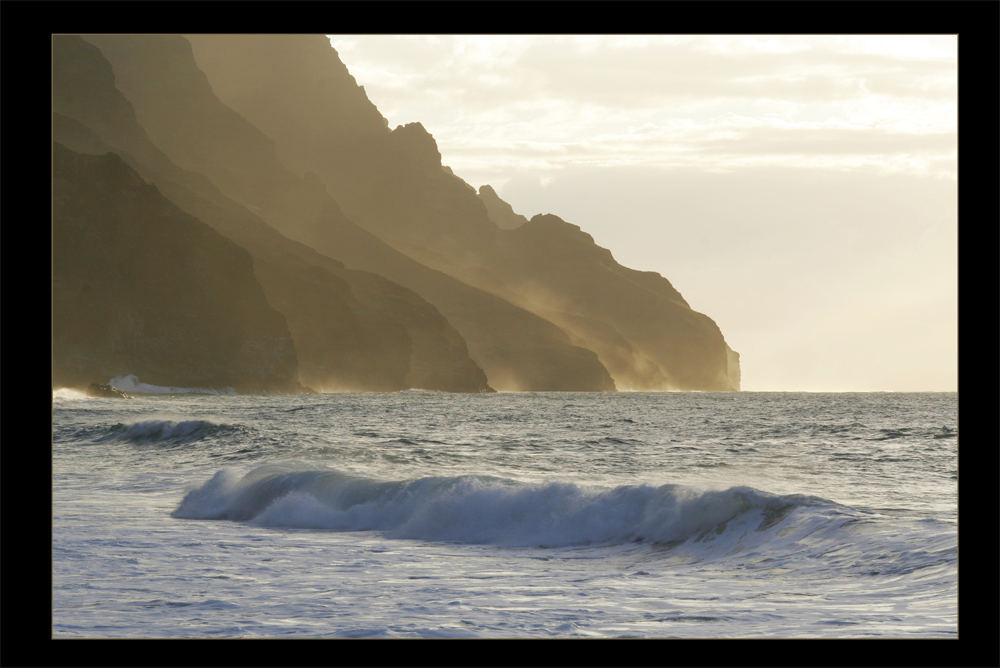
(802, 190)
(823, 279)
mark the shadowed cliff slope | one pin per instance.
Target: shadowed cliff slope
(296, 89)
(139, 286)
(352, 329)
(177, 107)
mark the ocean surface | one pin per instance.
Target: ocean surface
(508, 515)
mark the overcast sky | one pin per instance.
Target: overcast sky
(801, 191)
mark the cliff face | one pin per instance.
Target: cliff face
(516, 348)
(352, 330)
(139, 286)
(637, 322)
(644, 332)
(384, 269)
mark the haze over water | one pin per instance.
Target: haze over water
(373, 399)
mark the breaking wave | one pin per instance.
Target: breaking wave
(154, 431)
(69, 394)
(491, 510)
(131, 383)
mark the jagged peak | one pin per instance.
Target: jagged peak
(416, 143)
(416, 127)
(500, 212)
(551, 220)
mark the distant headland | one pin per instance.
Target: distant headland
(233, 212)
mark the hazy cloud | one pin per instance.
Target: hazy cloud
(827, 270)
(831, 140)
(801, 190)
(673, 101)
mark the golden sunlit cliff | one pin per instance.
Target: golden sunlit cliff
(516, 348)
(392, 183)
(386, 269)
(351, 329)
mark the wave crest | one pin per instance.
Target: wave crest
(154, 431)
(485, 509)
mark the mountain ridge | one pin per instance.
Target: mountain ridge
(509, 343)
(388, 270)
(316, 293)
(424, 210)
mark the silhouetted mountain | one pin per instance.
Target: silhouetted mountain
(296, 89)
(139, 286)
(500, 212)
(352, 329)
(177, 107)
(535, 304)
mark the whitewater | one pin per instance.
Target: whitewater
(186, 514)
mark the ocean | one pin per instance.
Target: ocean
(423, 514)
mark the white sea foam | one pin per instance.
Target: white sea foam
(69, 394)
(130, 383)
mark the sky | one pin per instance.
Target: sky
(799, 190)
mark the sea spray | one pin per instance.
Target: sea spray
(130, 383)
(69, 394)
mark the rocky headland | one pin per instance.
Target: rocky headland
(289, 238)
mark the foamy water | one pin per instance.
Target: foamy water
(68, 394)
(131, 383)
(424, 514)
